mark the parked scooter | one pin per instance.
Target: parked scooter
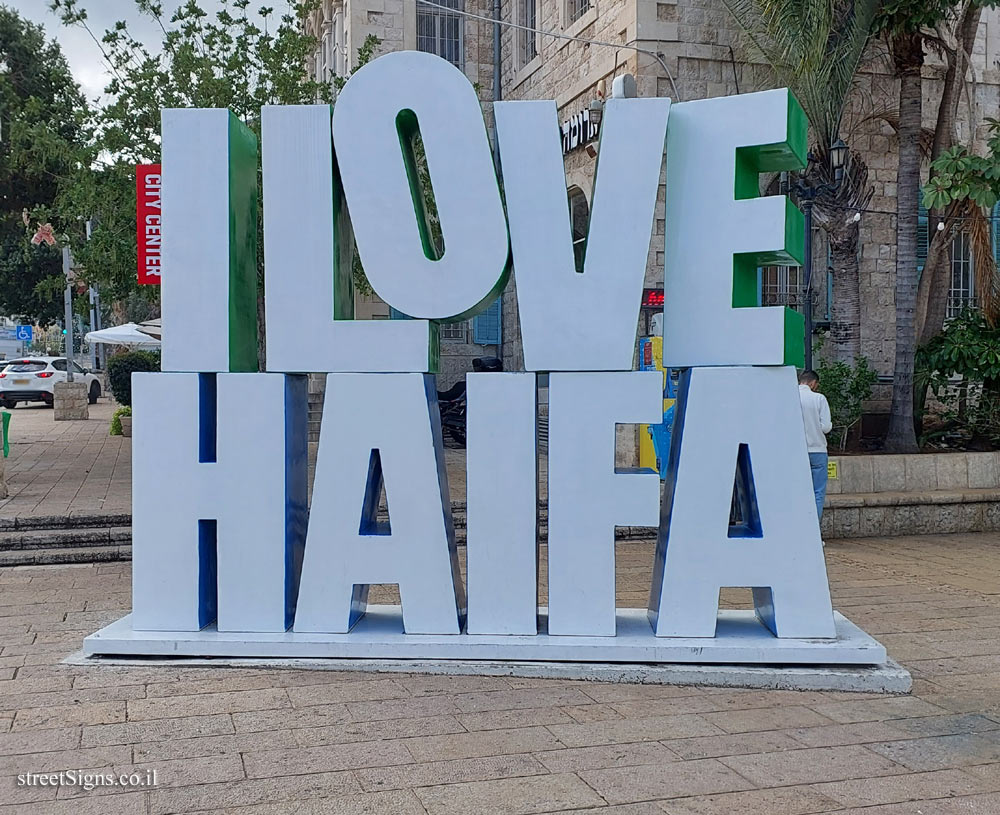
(451, 403)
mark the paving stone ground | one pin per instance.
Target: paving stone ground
(64, 468)
(264, 742)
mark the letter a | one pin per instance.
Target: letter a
(375, 427)
(777, 551)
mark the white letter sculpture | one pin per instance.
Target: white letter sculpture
(219, 533)
(719, 231)
(744, 422)
(209, 198)
(502, 504)
(395, 439)
(572, 321)
(226, 560)
(309, 260)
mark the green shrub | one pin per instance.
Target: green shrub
(845, 387)
(121, 368)
(116, 420)
(961, 365)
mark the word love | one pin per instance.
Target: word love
(221, 530)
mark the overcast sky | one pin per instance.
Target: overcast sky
(81, 51)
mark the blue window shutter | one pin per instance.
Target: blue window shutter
(397, 315)
(922, 237)
(486, 327)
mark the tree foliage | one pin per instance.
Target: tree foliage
(961, 365)
(968, 347)
(814, 48)
(846, 388)
(42, 129)
(231, 58)
(960, 174)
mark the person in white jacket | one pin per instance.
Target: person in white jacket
(816, 418)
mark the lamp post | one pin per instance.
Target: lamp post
(807, 193)
(67, 265)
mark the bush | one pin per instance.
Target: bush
(116, 420)
(121, 368)
(845, 387)
(961, 365)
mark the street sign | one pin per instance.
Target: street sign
(24, 333)
(147, 196)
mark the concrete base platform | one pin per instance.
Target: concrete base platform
(740, 639)
(888, 678)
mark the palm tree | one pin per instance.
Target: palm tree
(814, 48)
(902, 24)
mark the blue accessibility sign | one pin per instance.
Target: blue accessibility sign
(24, 333)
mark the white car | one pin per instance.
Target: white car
(31, 379)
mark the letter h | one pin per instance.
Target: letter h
(219, 500)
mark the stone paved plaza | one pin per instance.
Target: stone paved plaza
(263, 742)
(66, 468)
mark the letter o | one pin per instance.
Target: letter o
(374, 120)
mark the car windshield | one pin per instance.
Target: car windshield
(26, 367)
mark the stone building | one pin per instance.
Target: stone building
(684, 49)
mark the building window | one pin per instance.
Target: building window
(527, 43)
(455, 332)
(962, 293)
(440, 32)
(781, 286)
(579, 218)
(575, 9)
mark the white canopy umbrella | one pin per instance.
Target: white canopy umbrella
(152, 327)
(127, 334)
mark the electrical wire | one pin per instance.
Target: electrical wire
(890, 212)
(655, 55)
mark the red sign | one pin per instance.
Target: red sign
(652, 298)
(148, 208)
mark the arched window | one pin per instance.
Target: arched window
(579, 215)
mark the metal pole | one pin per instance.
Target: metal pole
(101, 354)
(93, 327)
(807, 287)
(93, 323)
(68, 303)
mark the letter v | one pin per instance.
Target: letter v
(570, 321)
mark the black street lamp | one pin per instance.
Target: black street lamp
(807, 193)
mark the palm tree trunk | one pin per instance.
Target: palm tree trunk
(845, 319)
(908, 56)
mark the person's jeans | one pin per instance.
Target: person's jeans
(817, 463)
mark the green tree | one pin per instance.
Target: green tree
(965, 187)
(954, 41)
(229, 59)
(42, 128)
(847, 388)
(967, 348)
(814, 48)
